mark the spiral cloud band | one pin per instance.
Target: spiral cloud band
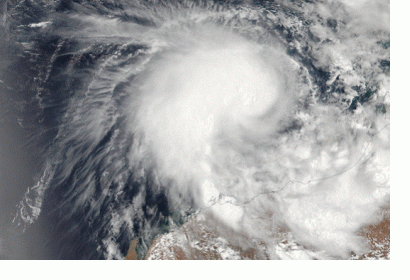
(258, 118)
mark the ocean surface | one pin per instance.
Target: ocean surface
(120, 119)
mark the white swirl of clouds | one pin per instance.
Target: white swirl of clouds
(230, 120)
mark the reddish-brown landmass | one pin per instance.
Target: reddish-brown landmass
(196, 241)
